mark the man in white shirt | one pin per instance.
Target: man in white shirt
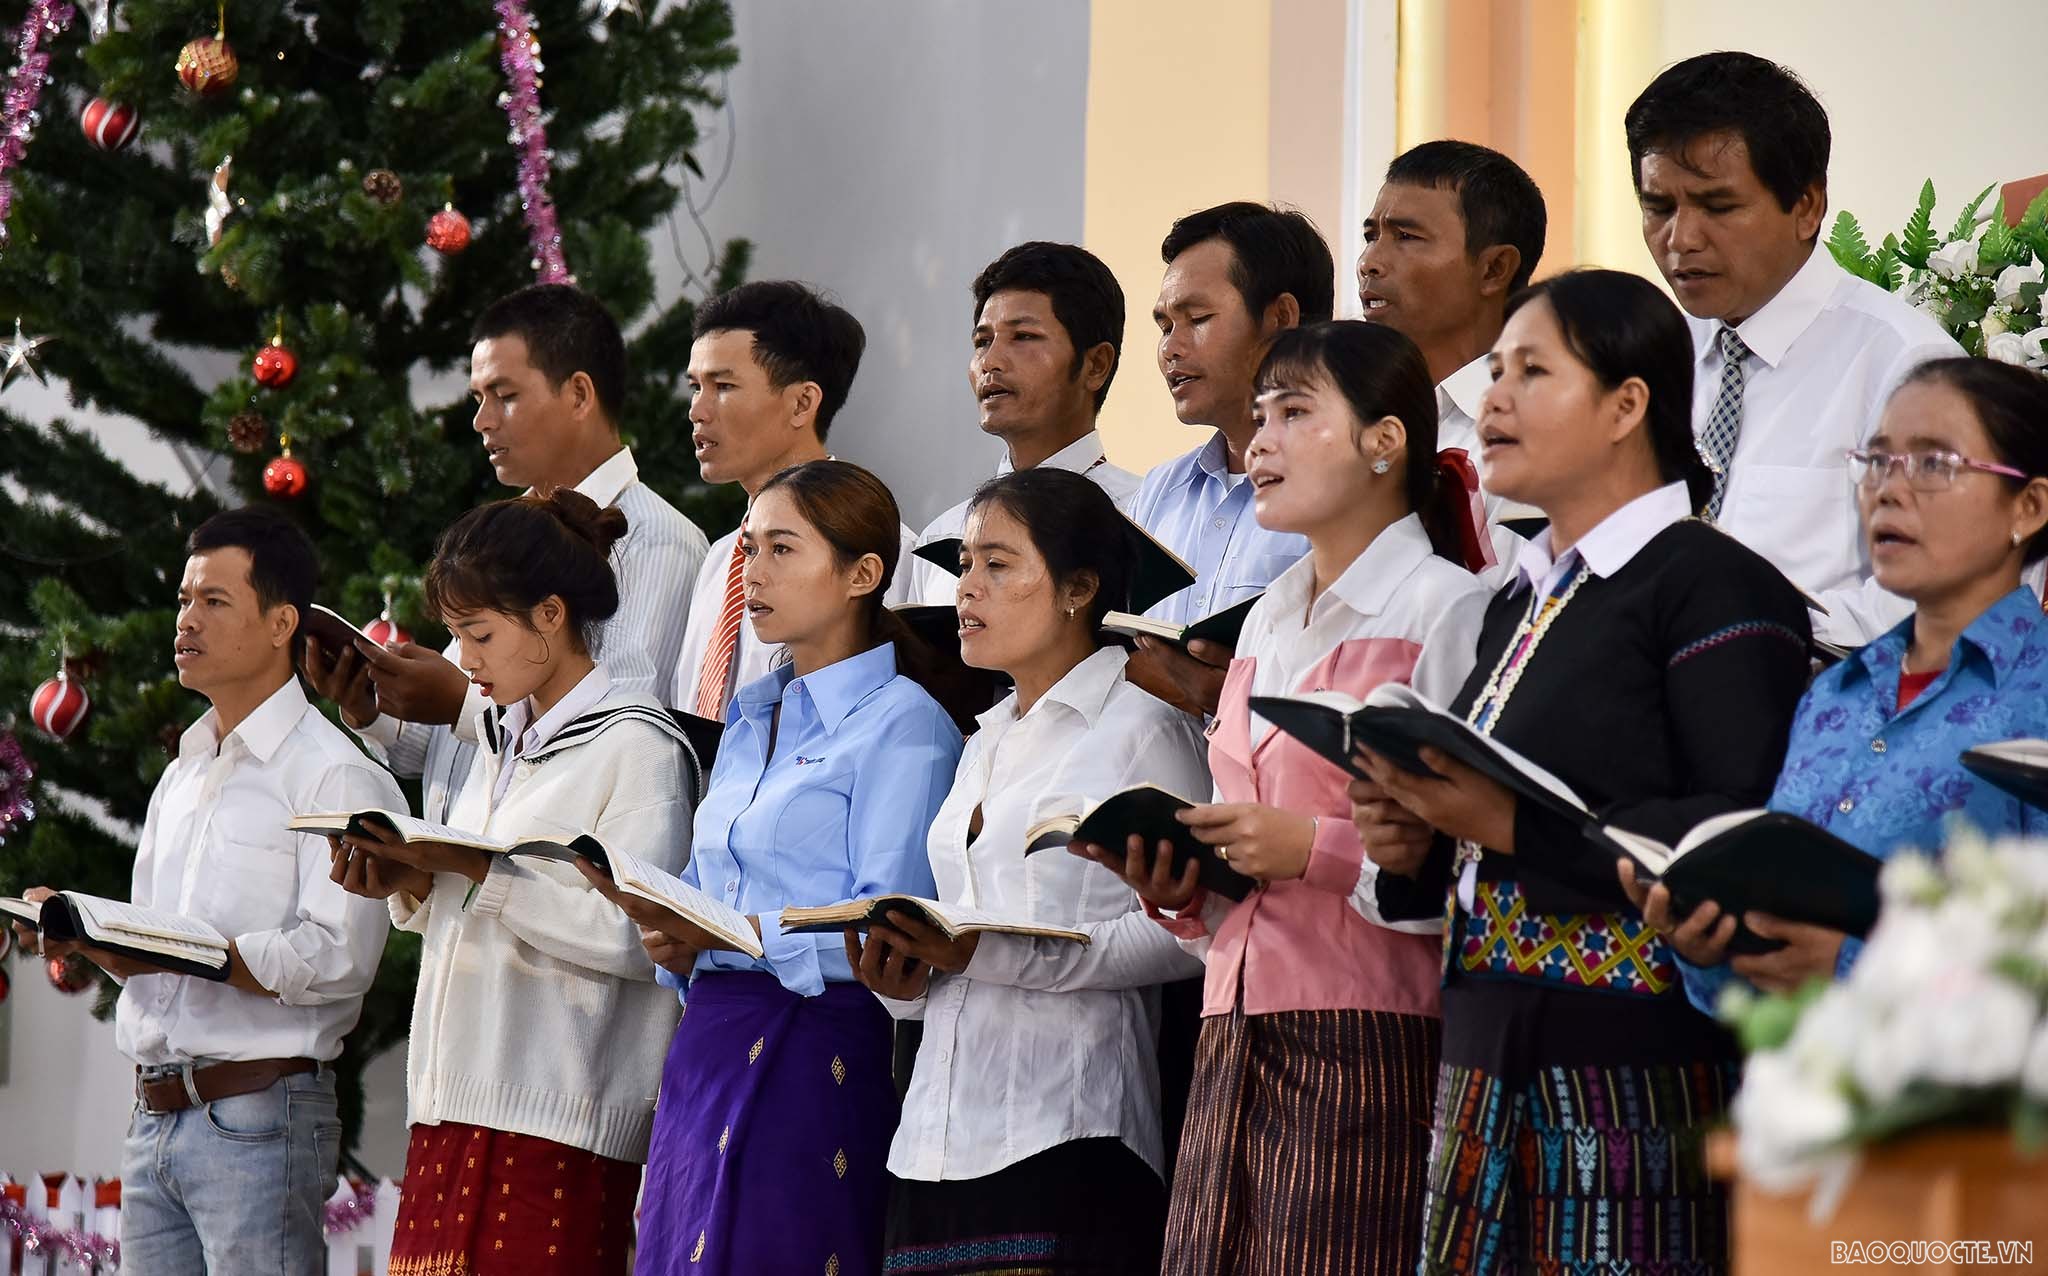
(771, 363)
(1048, 336)
(1236, 276)
(548, 373)
(232, 1149)
(1456, 230)
(1796, 357)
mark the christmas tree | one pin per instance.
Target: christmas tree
(284, 220)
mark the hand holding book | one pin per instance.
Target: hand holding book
(1800, 952)
(1458, 801)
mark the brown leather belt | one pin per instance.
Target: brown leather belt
(189, 1086)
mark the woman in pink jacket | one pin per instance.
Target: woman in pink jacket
(1307, 1128)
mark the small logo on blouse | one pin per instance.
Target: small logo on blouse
(801, 760)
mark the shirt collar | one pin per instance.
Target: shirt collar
(1369, 583)
(1614, 540)
(1085, 688)
(604, 484)
(1463, 389)
(834, 690)
(581, 699)
(1213, 458)
(1770, 332)
(261, 733)
(1080, 456)
(1998, 637)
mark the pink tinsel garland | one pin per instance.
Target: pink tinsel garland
(91, 1250)
(17, 807)
(519, 54)
(24, 93)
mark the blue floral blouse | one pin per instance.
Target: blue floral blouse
(1885, 780)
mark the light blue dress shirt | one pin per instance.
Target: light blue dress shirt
(838, 809)
(1885, 779)
(1189, 505)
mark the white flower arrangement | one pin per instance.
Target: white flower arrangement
(1943, 1020)
(1983, 283)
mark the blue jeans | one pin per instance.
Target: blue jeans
(235, 1186)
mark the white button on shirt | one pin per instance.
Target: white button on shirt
(1825, 354)
(1040, 1042)
(214, 847)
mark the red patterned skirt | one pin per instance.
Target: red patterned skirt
(480, 1202)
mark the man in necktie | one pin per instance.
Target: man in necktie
(771, 364)
(1795, 357)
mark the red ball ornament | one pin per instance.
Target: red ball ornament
(58, 706)
(110, 126)
(69, 974)
(286, 477)
(448, 231)
(275, 365)
(208, 66)
(385, 630)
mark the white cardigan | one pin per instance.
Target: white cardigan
(537, 1011)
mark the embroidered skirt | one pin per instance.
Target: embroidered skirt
(1588, 1168)
(1091, 1207)
(1306, 1141)
(480, 1202)
(771, 1138)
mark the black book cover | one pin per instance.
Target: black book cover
(60, 922)
(1150, 813)
(2024, 780)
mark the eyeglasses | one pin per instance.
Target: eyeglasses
(1924, 471)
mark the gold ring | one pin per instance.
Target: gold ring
(1223, 853)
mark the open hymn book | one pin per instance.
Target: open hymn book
(1148, 811)
(184, 945)
(952, 920)
(628, 872)
(1745, 861)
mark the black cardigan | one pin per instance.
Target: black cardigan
(1663, 695)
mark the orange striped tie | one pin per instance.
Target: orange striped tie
(724, 644)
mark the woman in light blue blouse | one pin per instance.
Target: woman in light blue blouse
(1954, 495)
(772, 1134)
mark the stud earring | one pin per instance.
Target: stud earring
(1382, 465)
(2015, 537)
(1070, 610)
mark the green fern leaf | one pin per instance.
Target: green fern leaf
(1851, 250)
(1967, 223)
(1917, 244)
(1890, 272)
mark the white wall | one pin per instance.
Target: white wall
(888, 152)
(1912, 91)
(65, 1100)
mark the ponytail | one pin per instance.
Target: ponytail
(856, 515)
(509, 555)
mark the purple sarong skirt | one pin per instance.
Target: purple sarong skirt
(771, 1137)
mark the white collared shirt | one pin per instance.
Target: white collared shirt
(1611, 543)
(527, 735)
(1040, 1042)
(1399, 589)
(214, 847)
(751, 659)
(1827, 352)
(1457, 426)
(654, 562)
(1083, 456)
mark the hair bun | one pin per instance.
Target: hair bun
(600, 526)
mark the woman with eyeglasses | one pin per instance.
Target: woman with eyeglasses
(1953, 490)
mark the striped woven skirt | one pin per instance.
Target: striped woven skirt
(1305, 1147)
(1590, 1168)
(771, 1137)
